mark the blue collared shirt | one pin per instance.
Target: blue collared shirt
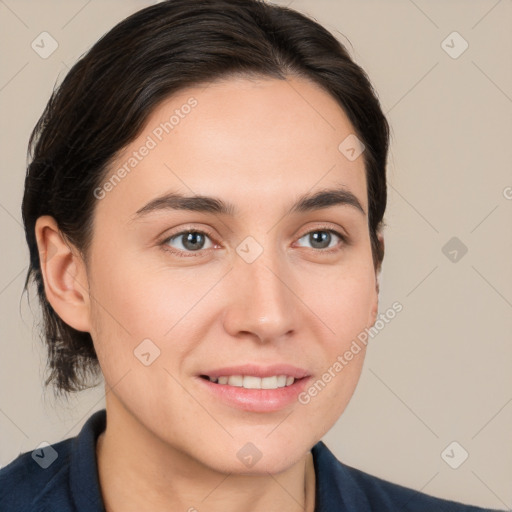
(63, 477)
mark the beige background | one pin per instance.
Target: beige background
(441, 370)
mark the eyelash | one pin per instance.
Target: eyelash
(199, 253)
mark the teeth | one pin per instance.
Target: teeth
(236, 380)
(281, 381)
(252, 382)
(269, 382)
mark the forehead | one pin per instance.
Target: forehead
(248, 139)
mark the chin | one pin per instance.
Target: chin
(257, 457)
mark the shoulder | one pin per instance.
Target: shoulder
(339, 483)
(32, 476)
(61, 477)
(397, 497)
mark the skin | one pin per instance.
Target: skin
(168, 444)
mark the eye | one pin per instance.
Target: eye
(321, 238)
(188, 242)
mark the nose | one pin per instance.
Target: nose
(263, 304)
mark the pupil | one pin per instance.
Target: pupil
(319, 237)
(192, 241)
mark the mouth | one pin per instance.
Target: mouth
(252, 381)
(255, 388)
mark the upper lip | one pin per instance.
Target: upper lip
(258, 371)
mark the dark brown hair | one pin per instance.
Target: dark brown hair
(105, 99)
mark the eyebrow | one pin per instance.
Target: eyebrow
(324, 198)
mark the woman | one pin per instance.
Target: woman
(203, 210)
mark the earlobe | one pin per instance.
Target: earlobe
(64, 275)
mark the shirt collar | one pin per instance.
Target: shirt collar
(84, 479)
(335, 487)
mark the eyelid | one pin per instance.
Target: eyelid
(327, 227)
(188, 229)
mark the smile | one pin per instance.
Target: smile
(255, 388)
(253, 382)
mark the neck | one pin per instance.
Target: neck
(138, 471)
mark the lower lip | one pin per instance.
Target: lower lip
(256, 400)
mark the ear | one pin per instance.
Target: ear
(64, 275)
(375, 306)
(380, 238)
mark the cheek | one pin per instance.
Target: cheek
(142, 301)
(121, 306)
(132, 302)
(343, 304)
(343, 300)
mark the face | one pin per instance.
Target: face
(249, 283)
